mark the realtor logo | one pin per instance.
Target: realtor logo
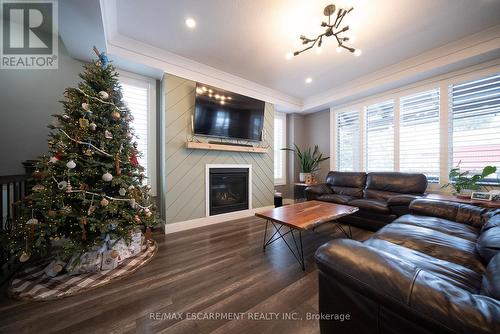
(29, 34)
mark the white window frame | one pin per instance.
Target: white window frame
(282, 118)
(442, 82)
(149, 83)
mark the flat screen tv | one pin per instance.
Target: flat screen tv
(219, 113)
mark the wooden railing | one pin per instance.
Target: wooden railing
(13, 188)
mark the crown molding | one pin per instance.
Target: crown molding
(452, 56)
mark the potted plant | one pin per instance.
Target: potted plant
(309, 161)
(464, 183)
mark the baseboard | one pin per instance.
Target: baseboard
(205, 221)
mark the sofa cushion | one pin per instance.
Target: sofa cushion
(453, 273)
(433, 243)
(488, 243)
(491, 281)
(371, 205)
(335, 198)
(492, 222)
(442, 225)
(347, 183)
(405, 183)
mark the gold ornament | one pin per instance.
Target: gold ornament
(104, 202)
(25, 256)
(115, 115)
(84, 123)
(38, 187)
(88, 152)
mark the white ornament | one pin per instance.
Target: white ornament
(133, 205)
(108, 135)
(62, 185)
(131, 188)
(53, 160)
(107, 177)
(71, 164)
(122, 191)
(104, 95)
(32, 221)
(93, 126)
(85, 106)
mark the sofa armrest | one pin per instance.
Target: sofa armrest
(314, 191)
(459, 212)
(402, 200)
(405, 289)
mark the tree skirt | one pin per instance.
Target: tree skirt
(33, 284)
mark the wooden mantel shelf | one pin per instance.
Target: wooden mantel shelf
(223, 147)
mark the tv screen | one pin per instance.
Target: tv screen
(219, 113)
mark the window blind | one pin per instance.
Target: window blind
(419, 134)
(475, 124)
(348, 141)
(279, 143)
(380, 137)
(137, 99)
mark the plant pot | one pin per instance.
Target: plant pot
(464, 194)
(304, 176)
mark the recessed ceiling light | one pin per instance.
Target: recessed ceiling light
(318, 50)
(288, 55)
(309, 80)
(190, 22)
(357, 53)
(338, 49)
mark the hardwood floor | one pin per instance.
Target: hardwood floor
(206, 271)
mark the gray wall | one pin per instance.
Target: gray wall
(306, 131)
(27, 99)
(185, 168)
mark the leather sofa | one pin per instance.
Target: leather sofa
(380, 197)
(434, 270)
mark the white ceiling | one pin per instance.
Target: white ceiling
(249, 38)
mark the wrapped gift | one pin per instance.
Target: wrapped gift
(135, 243)
(109, 260)
(122, 248)
(89, 262)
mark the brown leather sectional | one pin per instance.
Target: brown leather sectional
(381, 197)
(434, 270)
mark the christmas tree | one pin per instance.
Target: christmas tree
(90, 189)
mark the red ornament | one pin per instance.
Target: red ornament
(133, 160)
(58, 155)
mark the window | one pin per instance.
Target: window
(348, 141)
(279, 143)
(419, 134)
(139, 95)
(474, 135)
(380, 137)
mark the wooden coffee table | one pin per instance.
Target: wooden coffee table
(300, 217)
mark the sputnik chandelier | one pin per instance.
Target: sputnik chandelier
(332, 29)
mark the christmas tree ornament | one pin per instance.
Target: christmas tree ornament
(107, 177)
(51, 213)
(69, 188)
(147, 212)
(84, 186)
(137, 219)
(71, 164)
(131, 187)
(85, 106)
(122, 191)
(38, 188)
(108, 135)
(118, 170)
(115, 115)
(133, 159)
(84, 123)
(88, 152)
(37, 174)
(58, 155)
(62, 185)
(133, 204)
(66, 117)
(93, 126)
(104, 202)
(66, 210)
(91, 210)
(32, 221)
(103, 95)
(25, 256)
(53, 160)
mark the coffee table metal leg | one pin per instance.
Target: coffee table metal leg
(339, 226)
(265, 234)
(300, 252)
